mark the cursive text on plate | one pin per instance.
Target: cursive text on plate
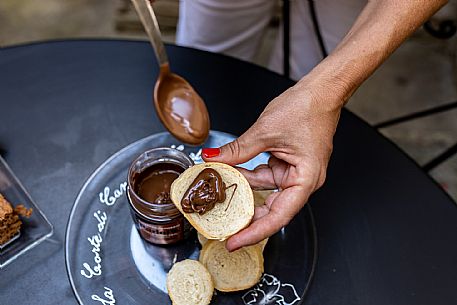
(109, 297)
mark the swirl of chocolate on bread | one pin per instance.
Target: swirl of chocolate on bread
(206, 190)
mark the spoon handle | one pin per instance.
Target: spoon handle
(150, 24)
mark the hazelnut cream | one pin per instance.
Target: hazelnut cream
(150, 177)
(206, 190)
(180, 108)
(153, 184)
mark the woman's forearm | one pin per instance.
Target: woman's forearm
(380, 28)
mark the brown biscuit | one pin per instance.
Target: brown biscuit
(10, 224)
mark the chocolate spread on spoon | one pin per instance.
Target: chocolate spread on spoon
(180, 108)
(206, 190)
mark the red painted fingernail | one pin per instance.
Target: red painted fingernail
(211, 152)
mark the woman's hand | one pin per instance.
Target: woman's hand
(297, 128)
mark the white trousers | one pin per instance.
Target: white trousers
(236, 28)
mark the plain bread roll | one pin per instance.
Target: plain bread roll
(232, 271)
(201, 239)
(263, 243)
(189, 283)
(259, 199)
(260, 196)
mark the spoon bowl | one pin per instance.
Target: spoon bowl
(180, 108)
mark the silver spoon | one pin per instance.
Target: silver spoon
(179, 107)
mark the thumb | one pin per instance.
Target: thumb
(241, 150)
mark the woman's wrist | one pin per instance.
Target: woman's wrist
(326, 91)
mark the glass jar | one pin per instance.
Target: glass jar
(157, 222)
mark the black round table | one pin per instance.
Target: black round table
(387, 234)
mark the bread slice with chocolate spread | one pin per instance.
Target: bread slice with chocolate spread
(225, 218)
(189, 283)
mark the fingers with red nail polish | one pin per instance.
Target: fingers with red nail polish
(210, 152)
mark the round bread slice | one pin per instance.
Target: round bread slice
(201, 239)
(189, 283)
(232, 271)
(260, 196)
(263, 243)
(226, 218)
(259, 200)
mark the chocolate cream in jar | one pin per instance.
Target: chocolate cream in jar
(149, 179)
